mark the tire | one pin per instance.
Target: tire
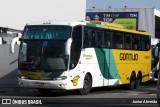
(132, 82)
(132, 85)
(87, 85)
(44, 91)
(138, 82)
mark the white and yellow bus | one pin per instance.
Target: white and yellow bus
(82, 55)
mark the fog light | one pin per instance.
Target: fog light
(20, 83)
(61, 78)
(23, 77)
(65, 84)
(60, 85)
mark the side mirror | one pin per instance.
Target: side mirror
(68, 46)
(14, 40)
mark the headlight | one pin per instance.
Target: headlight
(23, 77)
(60, 78)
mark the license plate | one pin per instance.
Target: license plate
(39, 84)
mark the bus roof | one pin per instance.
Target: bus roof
(99, 24)
(56, 22)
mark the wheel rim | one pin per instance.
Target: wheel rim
(132, 84)
(138, 81)
(86, 84)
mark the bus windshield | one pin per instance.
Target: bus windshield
(45, 49)
(47, 32)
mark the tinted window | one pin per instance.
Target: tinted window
(47, 32)
(136, 43)
(103, 38)
(76, 46)
(117, 40)
(127, 44)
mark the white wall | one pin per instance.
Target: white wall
(16, 13)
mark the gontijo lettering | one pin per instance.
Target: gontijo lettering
(128, 56)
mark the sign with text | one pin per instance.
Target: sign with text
(128, 20)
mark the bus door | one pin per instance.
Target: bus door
(116, 47)
(95, 62)
(103, 51)
(107, 57)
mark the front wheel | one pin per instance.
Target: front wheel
(87, 85)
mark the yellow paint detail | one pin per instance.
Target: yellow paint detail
(126, 65)
(75, 80)
(89, 58)
(45, 78)
(34, 75)
(117, 27)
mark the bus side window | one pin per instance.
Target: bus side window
(113, 43)
(96, 39)
(143, 43)
(76, 46)
(127, 44)
(88, 37)
(118, 38)
(147, 43)
(107, 39)
(85, 43)
(136, 43)
(100, 39)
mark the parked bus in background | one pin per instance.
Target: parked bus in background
(82, 55)
(155, 59)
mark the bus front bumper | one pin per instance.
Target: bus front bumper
(46, 84)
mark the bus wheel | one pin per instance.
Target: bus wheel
(87, 85)
(138, 81)
(132, 82)
(45, 91)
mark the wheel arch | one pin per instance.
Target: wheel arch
(84, 75)
(133, 73)
(87, 86)
(139, 73)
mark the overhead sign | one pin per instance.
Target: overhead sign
(128, 20)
